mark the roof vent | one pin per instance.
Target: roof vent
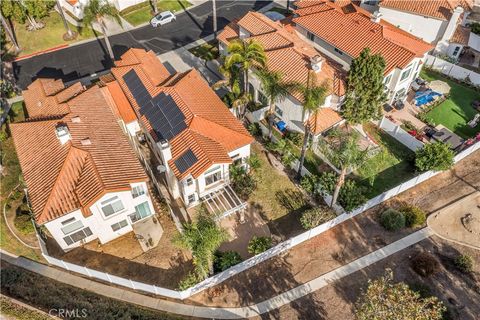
(316, 63)
(86, 142)
(62, 133)
(376, 17)
(76, 119)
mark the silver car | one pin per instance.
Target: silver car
(162, 18)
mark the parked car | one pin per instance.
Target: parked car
(162, 18)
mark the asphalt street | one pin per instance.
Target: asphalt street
(83, 60)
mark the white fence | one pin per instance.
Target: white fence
(452, 70)
(272, 252)
(401, 135)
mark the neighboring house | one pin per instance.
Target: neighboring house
(189, 129)
(295, 58)
(439, 22)
(342, 30)
(75, 7)
(84, 181)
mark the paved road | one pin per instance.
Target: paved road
(82, 60)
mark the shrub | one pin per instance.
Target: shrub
(254, 129)
(414, 216)
(327, 181)
(190, 280)
(254, 162)
(351, 195)
(259, 244)
(290, 199)
(242, 182)
(464, 263)
(224, 260)
(316, 216)
(309, 183)
(23, 223)
(295, 137)
(425, 264)
(392, 220)
(434, 156)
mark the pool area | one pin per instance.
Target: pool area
(424, 97)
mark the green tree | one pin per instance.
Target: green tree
(365, 94)
(386, 300)
(343, 151)
(245, 55)
(231, 81)
(275, 89)
(97, 11)
(314, 94)
(35, 10)
(258, 245)
(202, 237)
(434, 156)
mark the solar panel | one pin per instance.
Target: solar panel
(185, 161)
(163, 113)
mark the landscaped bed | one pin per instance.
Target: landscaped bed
(207, 51)
(392, 165)
(143, 12)
(455, 112)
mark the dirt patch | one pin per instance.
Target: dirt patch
(459, 292)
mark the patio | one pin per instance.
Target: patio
(408, 113)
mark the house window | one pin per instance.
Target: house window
(138, 191)
(262, 98)
(119, 225)
(405, 74)
(141, 211)
(310, 36)
(71, 225)
(387, 80)
(213, 175)
(77, 236)
(191, 198)
(189, 181)
(278, 111)
(455, 52)
(340, 52)
(111, 206)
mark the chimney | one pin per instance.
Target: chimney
(376, 17)
(76, 119)
(316, 63)
(62, 133)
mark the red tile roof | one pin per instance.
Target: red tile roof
(203, 111)
(324, 119)
(63, 178)
(461, 35)
(350, 29)
(123, 106)
(47, 97)
(440, 9)
(287, 53)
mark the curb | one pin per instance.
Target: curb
(38, 53)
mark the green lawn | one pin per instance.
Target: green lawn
(142, 12)
(455, 112)
(48, 37)
(388, 168)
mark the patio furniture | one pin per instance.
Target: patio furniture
(399, 105)
(445, 135)
(439, 86)
(474, 122)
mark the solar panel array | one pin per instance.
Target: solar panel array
(185, 161)
(163, 114)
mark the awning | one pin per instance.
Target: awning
(223, 202)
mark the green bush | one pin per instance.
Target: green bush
(225, 260)
(295, 137)
(392, 220)
(290, 199)
(254, 129)
(254, 162)
(425, 264)
(259, 244)
(189, 281)
(23, 223)
(414, 216)
(309, 183)
(243, 183)
(434, 156)
(351, 195)
(464, 263)
(316, 216)
(327, 181)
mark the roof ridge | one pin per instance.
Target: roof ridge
(216, 123)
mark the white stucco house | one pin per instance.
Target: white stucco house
(84, 182)
(191, 132)
(442, 23)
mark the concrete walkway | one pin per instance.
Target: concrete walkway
(215, 312)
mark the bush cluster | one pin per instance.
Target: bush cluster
(392, 219)
(464, 263)
(425, 264)
(316, 216)
(225, 260)
(259, 244)
(414, 216)
(295, 137)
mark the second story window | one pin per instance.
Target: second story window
(310, 36)
(112, 206)
(213, 175)
(138, 191)
(189, 181)
(405, 74)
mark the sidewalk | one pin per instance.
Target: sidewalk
(212, 312)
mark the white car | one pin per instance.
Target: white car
(162, 18)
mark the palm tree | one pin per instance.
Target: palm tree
(69, 35)
(231, 81)
(275, 89)
(343, 151)
(313, 97)
(9, 32)
(155, 6)
(246, 54)
(97, 10)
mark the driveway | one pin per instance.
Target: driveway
(89, 58)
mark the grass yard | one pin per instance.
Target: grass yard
(455, 112)
(48, 37)
(10, 179)
(389, 167)
(207, 51)
(142, 12)
(271, 183)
